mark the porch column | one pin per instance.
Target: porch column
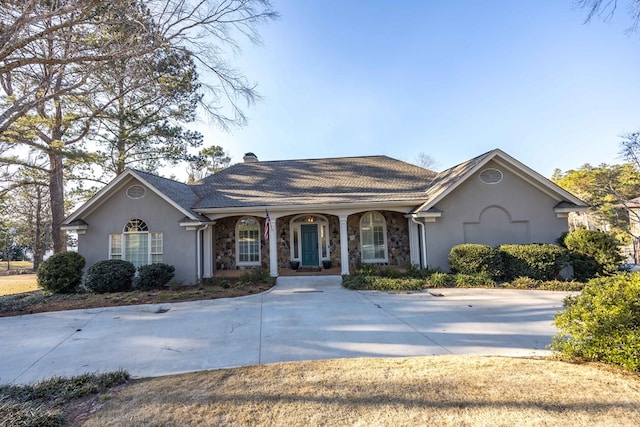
(273, 246)
(344, 245)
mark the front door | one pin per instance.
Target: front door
(309, 242)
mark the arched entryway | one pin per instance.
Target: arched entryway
(309, 239)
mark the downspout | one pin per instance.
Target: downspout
(423, 242)
(199, 251)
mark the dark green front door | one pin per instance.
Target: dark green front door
(309, 244)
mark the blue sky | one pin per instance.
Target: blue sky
(450, 79)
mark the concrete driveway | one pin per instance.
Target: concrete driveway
(302, 318)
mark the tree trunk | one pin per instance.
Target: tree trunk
(38, 252)
(56, 190)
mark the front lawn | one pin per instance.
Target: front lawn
(18, 284)
(443, 390)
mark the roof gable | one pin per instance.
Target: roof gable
(177, 194)
(450, 179)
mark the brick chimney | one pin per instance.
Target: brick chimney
(250, 158)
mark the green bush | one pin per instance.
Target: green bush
(560, 285)
(112, 275)
(153, 276)
(378, 270)
(537, 261)
(441, 280)
(602, 323)
(523, 283)
(480, 280)
(543, 285)
(357, 281)
(603, 248)
(61, 273)
(395, 284)
(419, 273)
(472, 258)
(256, 275)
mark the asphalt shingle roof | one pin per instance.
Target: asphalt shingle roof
(321, 181)
(182, 194)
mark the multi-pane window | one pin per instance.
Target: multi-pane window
(373, 237)
(136, 244)
(115, 246)
(137, 248)
(248, 241)
(156, 248)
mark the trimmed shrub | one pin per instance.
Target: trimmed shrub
(61, 273)
(603, 248)
(112, 275)
(537, 261)
(602, 323)
(470, 258)
(153, 276)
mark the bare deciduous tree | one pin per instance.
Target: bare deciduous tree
(51, 52)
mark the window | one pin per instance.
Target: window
(156, 248)
(115, 246)
(136, 244)
(373, 236)
(248, 241)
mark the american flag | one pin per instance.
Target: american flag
(267, 221)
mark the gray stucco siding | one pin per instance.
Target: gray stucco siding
(512, 211)
(179, 245)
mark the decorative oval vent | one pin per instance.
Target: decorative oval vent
(136, 192)
(491, 176)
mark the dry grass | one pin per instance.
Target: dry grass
(18, 283)
(446, 390)
(16, 265)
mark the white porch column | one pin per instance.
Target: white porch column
(424, 252)
(414, 242)
(273, 246)
(207, 252)
(344, 245)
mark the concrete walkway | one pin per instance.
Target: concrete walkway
(302, 318)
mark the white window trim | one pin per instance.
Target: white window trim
(386, 241)
(237, 236)
(295, 226)
(123, 244)
(110, 253)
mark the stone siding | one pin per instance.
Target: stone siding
(397, 241)
(398, 248)
(224, 233)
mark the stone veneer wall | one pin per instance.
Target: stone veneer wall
(398, 247)
(224, 234)
(397, 241)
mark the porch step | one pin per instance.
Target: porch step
(308, 269)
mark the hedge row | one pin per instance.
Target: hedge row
(405, 282)
(507, 262)
(590, 253)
